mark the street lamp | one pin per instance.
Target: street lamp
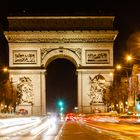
(125, 83)
(5, 69)
(129, 58)
(3, 83)
(13, 92)
(111, 73)
(118, 67)
(11, 83)
(3, 73)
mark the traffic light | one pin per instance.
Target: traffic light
(60, 103)
(61, 106)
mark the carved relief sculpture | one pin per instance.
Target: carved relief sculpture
(76, 51)
(97, 89)
(25, 91)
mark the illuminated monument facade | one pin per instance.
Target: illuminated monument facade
(87, 42)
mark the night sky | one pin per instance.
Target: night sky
(61, 79)
(127, 13)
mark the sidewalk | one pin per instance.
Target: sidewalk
(10, 115)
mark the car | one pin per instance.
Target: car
(22, 112)
(129, 119)
(70, 117)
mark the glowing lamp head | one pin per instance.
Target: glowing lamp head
(129, 58)
(118, 67)
(5, 69)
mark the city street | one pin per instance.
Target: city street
(99, 131)
(43, 128)
(28, 128)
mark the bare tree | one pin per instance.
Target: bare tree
(8, 94)
(119, 94)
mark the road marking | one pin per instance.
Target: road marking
(60, 132)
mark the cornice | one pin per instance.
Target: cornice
(60, 36)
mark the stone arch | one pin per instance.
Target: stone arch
(61, 53)
(61, 84)
(64, 54)
(48, 41)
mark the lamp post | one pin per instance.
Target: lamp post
(11, 84)
(126, 84)
(4, 74)
(13, 92)
(129, 58)
(3, 87)
(5, 69)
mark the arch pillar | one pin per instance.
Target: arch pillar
(43, 91)
(34, 81)
(79, 88)
(87, 85)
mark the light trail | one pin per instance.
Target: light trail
(45, 125)
(9, 130)
(17, 121)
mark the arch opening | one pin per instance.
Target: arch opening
(61, 85)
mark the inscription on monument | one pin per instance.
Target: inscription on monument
(97, 56)
(24, 56)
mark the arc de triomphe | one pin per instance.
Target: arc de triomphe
(87, 42)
